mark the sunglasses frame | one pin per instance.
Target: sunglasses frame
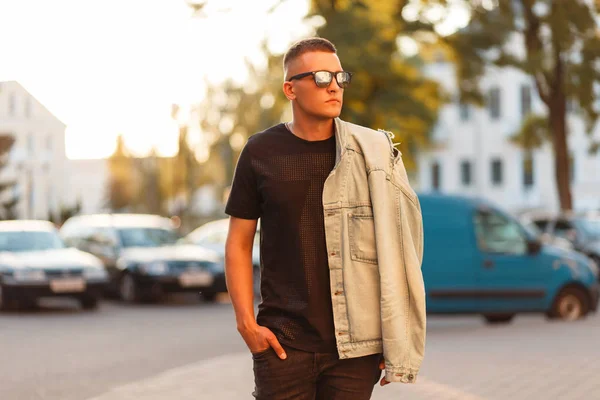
(334, 75)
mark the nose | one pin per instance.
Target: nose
(333, 86)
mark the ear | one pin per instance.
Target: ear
(288, 90)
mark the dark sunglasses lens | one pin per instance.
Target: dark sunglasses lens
(343, 78)
(323, 78)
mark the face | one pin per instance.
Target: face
(321, 103)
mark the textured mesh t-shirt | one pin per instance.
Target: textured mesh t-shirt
(279, 178)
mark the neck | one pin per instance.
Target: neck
(312, 129)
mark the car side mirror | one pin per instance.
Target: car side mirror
(572, 235)
(534, 246)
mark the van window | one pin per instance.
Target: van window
(542, 224)
(498, 234)
(565, 229)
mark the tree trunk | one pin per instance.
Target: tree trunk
(562, 167)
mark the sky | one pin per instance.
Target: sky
(116, 66)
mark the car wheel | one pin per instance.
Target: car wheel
(4, 300)
(89, 302)
(499, 318)
(128, 289)
(570, 304)
(209, 297)
(26, 304)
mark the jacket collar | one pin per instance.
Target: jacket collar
(341, 138)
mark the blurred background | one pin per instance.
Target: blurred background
(120, 127)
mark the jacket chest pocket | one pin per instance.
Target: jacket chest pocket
(361, 230)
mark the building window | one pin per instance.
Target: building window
(494, 103)
(525, 100)
(12, 105)
(30, 144)
(465, 173)
(571, 106)
(497, 171)
(436, 176)
(528, 170)
(465, 111)
(28, 107)
(571, 168)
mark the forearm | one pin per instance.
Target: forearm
(238, 273)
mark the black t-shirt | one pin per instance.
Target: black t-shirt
(279, 178)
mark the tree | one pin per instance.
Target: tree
(122, 188)
(9, 199)
(233, 112)
(184, 167)
(556, 42)
(388, 91)
(151, 196)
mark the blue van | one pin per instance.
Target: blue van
(479, 259)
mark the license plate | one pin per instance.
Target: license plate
(67, 285)
(188, 279)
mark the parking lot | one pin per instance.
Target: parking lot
(186, 349)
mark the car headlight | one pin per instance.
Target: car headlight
(29, 275)
(95, 274)
(155, 268)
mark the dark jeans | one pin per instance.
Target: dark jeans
(314, 376)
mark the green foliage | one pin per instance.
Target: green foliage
(388, 91)
(556, 42)
(534, 132)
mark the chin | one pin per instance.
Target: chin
(329, 114)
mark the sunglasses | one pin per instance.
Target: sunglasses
(323, 78)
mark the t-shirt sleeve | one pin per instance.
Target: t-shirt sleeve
(244, 197)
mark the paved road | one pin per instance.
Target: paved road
(66, 354)
(190, 350)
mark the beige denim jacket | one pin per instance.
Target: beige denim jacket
(374, 233)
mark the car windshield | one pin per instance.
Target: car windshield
(591, 227)
(19, 241)
(147, 237)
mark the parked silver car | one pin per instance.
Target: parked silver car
(35, 263)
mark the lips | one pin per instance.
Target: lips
(333, 100)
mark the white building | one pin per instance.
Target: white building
(87, 183)
(473, 156)
(37, 161)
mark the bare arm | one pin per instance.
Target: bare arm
(238, 273)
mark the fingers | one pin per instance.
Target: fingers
(276, 346)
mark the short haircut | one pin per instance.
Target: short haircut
(305, 46)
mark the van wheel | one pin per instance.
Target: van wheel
(498, 318)
(570, 304)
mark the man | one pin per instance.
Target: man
(341, 246)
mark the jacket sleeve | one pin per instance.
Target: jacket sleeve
(399, 242)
